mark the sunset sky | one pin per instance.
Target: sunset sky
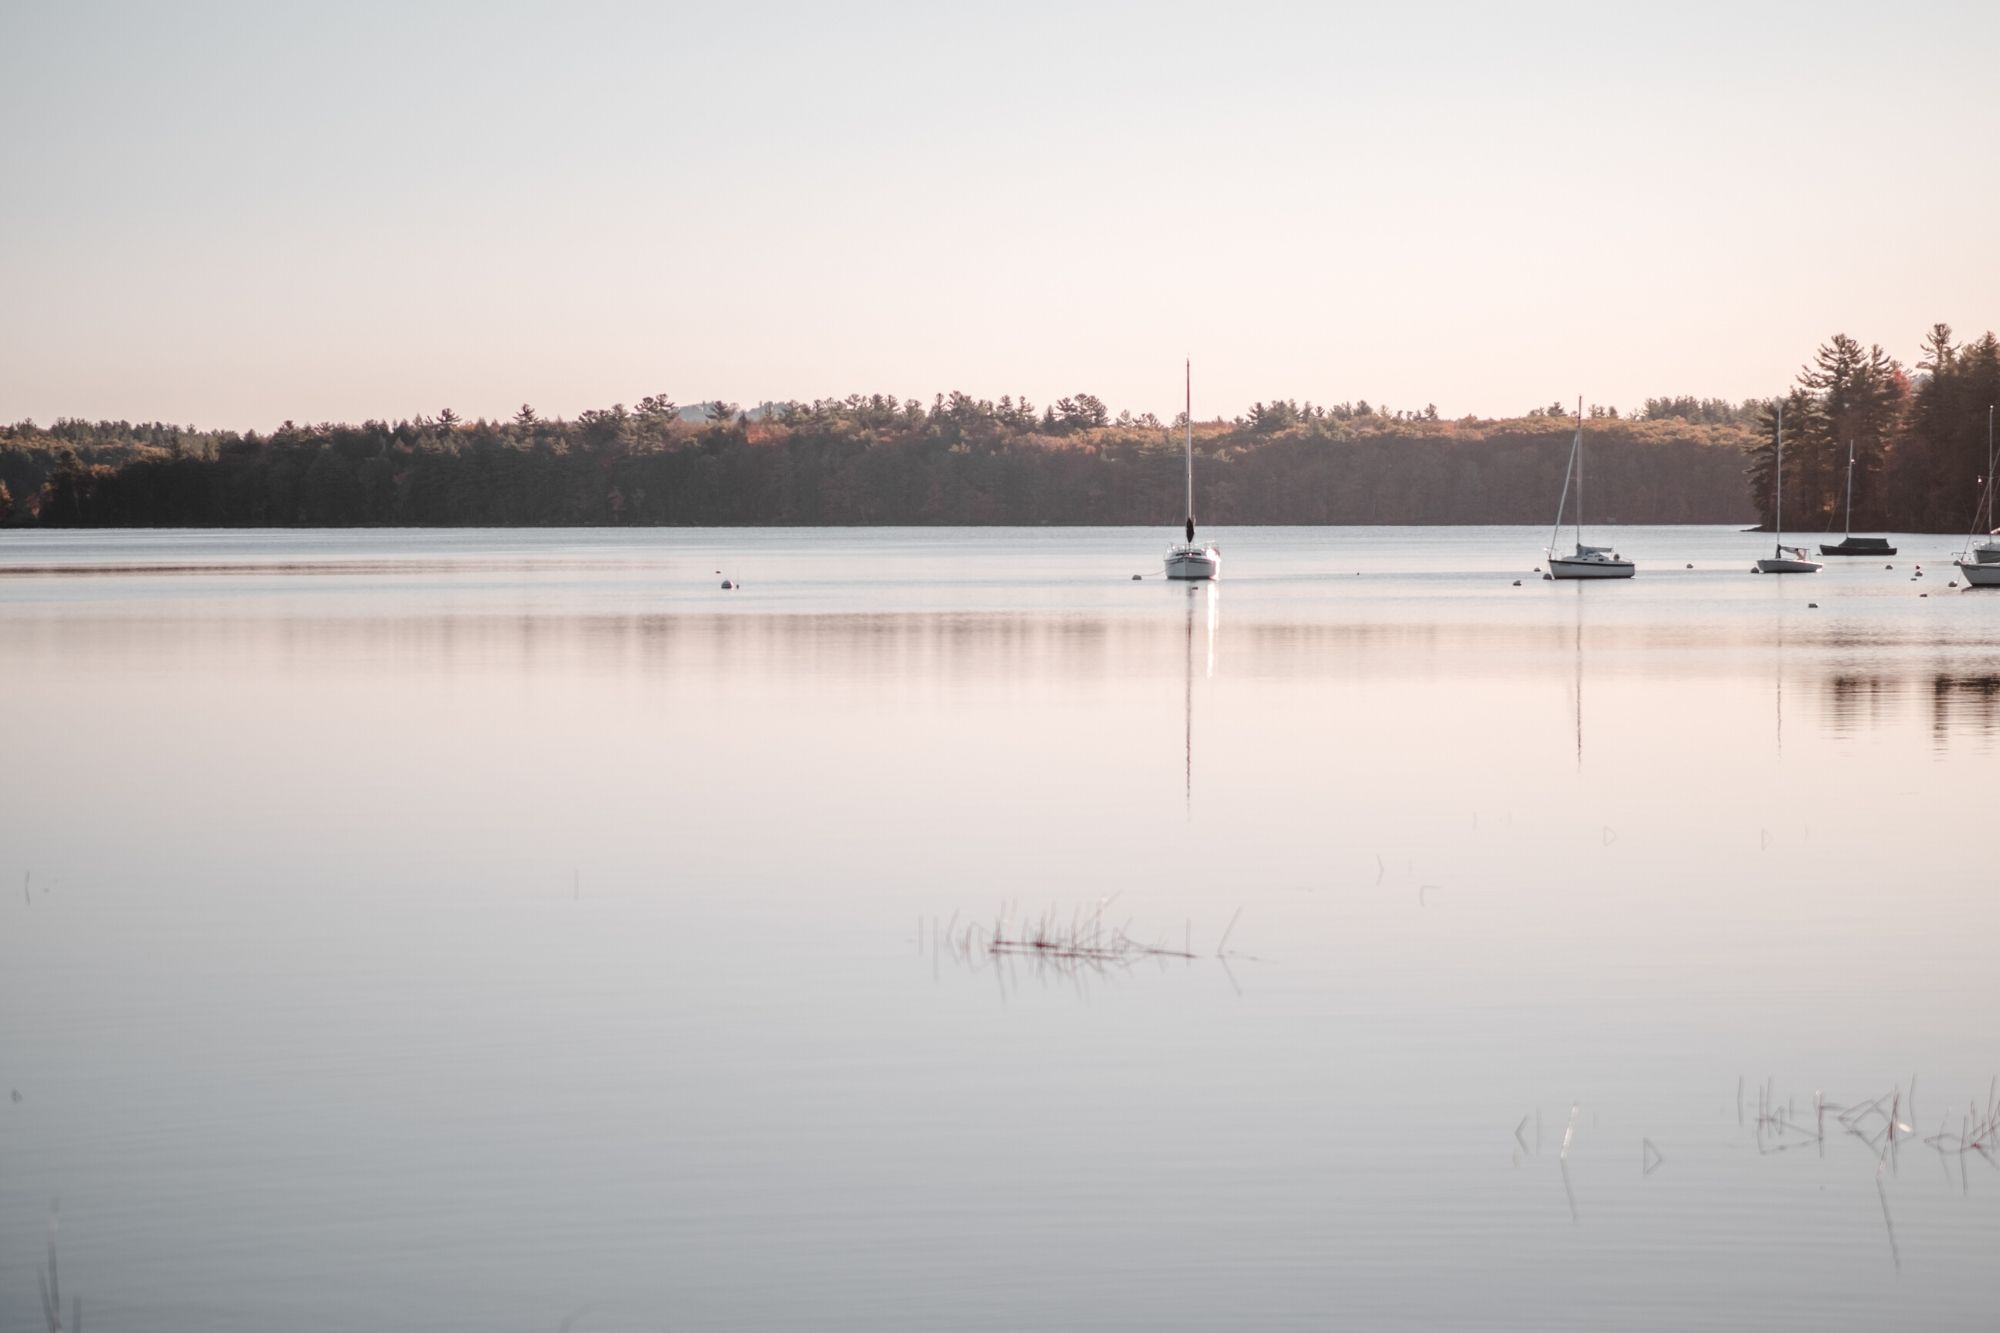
(235, 214)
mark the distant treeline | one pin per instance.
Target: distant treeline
(1919, 446)
(873, 459)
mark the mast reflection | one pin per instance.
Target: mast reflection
(1209, 597)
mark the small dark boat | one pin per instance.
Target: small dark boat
(1859, 546)
(1851, 544)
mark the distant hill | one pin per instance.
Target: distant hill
(1918, 445)
(872, 460)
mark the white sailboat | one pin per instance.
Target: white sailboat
(1189, 559)
(1980, 563)
(1585, 562)
(1785, 559)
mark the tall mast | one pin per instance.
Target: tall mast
(1190, 447)
(1986, 494)
(1850, 485)
(1579, 472)
(1569, 470)
(1778, 466)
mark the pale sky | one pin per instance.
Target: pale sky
(232, 214)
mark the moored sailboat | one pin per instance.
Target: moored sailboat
(1585, 562)
(1189, 559)
(1849, 544)
(1979, 563)
(1785, 559)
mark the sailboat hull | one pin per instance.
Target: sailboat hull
(1979, 574)
(1194, 562)
(1779, 565)
(1858, 546)
(1589, 568)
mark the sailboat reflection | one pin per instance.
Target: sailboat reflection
(1209, 595)
(1579, 678)
(1778, 672)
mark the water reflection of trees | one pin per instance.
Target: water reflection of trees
(1959, 703)
(1860, 685)
(1857, 702)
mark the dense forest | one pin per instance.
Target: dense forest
(1919, 445)
(960, 460)
(873, 460)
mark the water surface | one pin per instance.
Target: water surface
(460, 930)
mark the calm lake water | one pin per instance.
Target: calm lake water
(465, 930)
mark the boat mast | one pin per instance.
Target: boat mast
(1189, 415)
(1578, 450)
(1985, 494)
(1778, 468)
(1850, 485)
(1569, 469)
